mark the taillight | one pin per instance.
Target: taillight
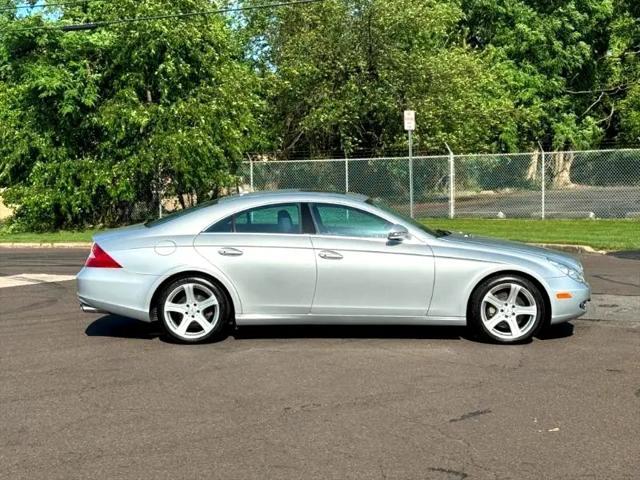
(98, 258)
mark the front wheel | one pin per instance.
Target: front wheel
(193, 309)
(507, 309)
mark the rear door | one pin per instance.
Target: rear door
(267, 256)
(361, 272)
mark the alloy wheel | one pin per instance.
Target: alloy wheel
(191, 311)
(509, 311)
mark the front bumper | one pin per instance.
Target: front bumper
(565, 309)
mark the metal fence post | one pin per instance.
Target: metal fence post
(544, 181)
(251, 172)
(346, 174)
(411, 173)
(160, 193)
(452, 183)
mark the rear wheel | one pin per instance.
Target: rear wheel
(507, 309)
(193, 309)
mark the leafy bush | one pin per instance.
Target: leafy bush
(92, 126)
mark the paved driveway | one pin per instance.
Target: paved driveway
(92, 396)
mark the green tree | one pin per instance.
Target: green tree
(93, 123)
(624, 81)
(338, 75)
(562, 60)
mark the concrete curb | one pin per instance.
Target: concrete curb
(571, 248)
(553, 246)
(46, 245)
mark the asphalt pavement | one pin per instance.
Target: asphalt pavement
(603, 202)
(100, 396)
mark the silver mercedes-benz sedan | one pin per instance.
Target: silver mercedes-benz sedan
(320, 258)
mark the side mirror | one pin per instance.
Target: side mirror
(398, 233)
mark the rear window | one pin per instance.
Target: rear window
(179, 213)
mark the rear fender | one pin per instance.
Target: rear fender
(210, 271)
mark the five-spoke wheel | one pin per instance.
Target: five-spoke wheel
(193, 309)
(507, 308)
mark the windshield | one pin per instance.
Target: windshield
(178, 214)
(383, 206)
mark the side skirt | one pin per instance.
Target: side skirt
(310, 319)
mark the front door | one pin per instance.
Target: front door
(361, 273)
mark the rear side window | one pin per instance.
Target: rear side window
(283, 219)
(224, 226)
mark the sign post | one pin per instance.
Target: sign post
(543, 180)
(410, 126)
(452, 183)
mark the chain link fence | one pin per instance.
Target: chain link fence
(571, 184)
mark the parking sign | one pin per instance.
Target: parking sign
(409, 120)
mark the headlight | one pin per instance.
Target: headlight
(568, 271)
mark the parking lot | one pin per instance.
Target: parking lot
(85, 396)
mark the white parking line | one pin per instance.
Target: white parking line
(32, 279)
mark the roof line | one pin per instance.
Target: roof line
(352, 195)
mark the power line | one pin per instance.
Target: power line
(47, 5)
(119, 21)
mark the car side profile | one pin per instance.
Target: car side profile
(289, 257)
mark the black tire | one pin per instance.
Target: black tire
(201, 287)
(499, 334)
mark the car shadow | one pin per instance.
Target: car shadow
(350, 331)
(555, 332)
(121, 327)
(116, 326)
(626, 254)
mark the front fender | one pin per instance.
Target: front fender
(457, 277)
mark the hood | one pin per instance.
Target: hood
(516, 248)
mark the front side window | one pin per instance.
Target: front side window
(340, 220)
(283, 219)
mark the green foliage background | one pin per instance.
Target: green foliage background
(94, 124)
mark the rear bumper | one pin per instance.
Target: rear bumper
(566, 309)
(114, 290)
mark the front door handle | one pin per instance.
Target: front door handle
(330, 255)
(230, 252)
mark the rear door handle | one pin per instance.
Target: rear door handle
(330, 255)
(230, 252)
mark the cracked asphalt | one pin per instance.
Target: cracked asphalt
(95, 396)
